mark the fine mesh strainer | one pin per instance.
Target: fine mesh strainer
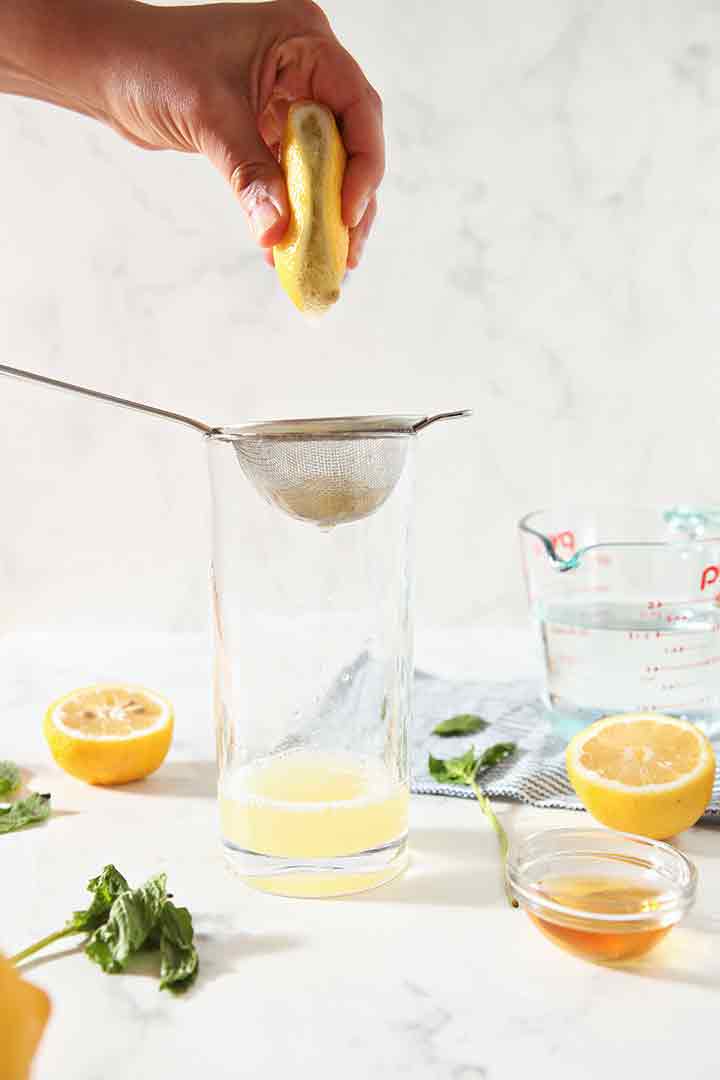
(325, 471)
(328, 471)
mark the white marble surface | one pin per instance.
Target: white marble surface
(546, 254)
(431, 977)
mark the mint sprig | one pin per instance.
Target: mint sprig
(465, 769)
(122, 921)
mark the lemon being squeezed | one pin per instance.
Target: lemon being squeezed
(311, 259)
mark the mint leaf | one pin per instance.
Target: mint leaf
(105, 888)
(9, 777)
(132, 919)
(495, 754)
(178, 956)
(26, 811)
(465, 724)
(463, 769)
(457, 770)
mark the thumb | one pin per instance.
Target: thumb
(237, 149)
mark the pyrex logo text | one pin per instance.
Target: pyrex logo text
(710, 575)
(564, 540)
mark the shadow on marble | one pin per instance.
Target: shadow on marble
(704, 921)
(474, 882)
(463, 845)
(224, 955)
(688, 956)
(218, 956)
(179, 779)
(702, 980)
(49, 957)
(699, 842)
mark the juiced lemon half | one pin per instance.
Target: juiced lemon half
(642, 773)
(109, 734)
(311, 259)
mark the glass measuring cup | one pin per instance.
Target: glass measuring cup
(313, 681)
(626, 601)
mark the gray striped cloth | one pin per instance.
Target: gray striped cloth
(535, 774)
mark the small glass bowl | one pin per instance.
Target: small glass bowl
(603, 895)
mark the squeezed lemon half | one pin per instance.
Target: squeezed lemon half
(311, 259)
(109, 734)
(642, 773)
(24, 1014)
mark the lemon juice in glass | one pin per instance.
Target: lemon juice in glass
(313, 671)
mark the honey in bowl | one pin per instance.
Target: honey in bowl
(601, 896)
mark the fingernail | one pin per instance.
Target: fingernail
(360, 212)
(263, 215)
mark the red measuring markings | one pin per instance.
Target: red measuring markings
(565, 660)
(677, 705)
(664, 687)
(654, 607)
(567, 631)
(709, 661)
(655, 613)
(675, 650)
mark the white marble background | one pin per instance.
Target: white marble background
(547, 254)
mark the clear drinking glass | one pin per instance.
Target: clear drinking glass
(313, 682)
(627, 605)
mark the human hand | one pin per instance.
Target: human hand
(217, 79)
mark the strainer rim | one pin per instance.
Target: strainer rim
(371, 426)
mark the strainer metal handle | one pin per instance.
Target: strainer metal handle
(165, 414)
(111, 399)
(428, 420)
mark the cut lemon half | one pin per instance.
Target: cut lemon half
(642, 773)
(311, 259)
(109, 734)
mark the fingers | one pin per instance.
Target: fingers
(359, 234)
(235, 146)
(362, 132)
(339, 83)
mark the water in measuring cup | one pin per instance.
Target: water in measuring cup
(603, 658)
